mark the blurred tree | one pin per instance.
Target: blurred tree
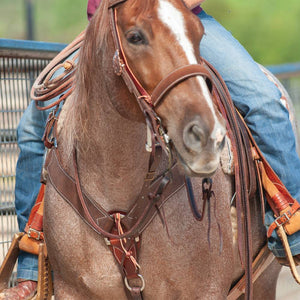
(268, 29)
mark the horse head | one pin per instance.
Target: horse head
(158, 37)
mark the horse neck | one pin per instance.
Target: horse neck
(112, 160)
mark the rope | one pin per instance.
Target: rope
(121, 232)
(45, 88)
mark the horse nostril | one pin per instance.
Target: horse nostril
(196, 133)
(193, 137)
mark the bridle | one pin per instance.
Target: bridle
(148, 102)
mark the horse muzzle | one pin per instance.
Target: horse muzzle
(200, 153)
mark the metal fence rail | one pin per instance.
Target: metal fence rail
(20, 64)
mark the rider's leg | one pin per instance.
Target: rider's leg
(28, 172)
(259, 101)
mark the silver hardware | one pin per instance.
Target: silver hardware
(107, 242)
(148, 144)
(166, 138)
(130, 288)
(287, 219)
(36, 231)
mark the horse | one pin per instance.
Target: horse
(180, 257)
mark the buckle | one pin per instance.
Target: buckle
(284, 218)
(37, 234)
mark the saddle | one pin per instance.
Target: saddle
(252, 174)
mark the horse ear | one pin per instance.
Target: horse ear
(112, 3)
(192, 3)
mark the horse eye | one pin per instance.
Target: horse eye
(135, 37)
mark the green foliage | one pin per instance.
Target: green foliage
(54, 20)
(64, 20)
(268, 29)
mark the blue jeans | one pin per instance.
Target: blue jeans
(258, 100)
(255, 96)
(28, 172)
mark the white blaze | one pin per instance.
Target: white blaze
(173, 18)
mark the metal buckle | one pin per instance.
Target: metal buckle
(35, 231)
(287, 218)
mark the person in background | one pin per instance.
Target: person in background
(254, 95)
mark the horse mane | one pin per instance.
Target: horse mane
(95, 43)
(76, 116)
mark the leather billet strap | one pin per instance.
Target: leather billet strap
(34, 226)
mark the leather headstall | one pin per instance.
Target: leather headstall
(146, 101)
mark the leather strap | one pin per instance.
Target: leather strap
(286, 209)
(262, 261)
(113, 3)
(175, 78)
(34, 226)
(65, 185)
(228, 110)
(156, 191)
